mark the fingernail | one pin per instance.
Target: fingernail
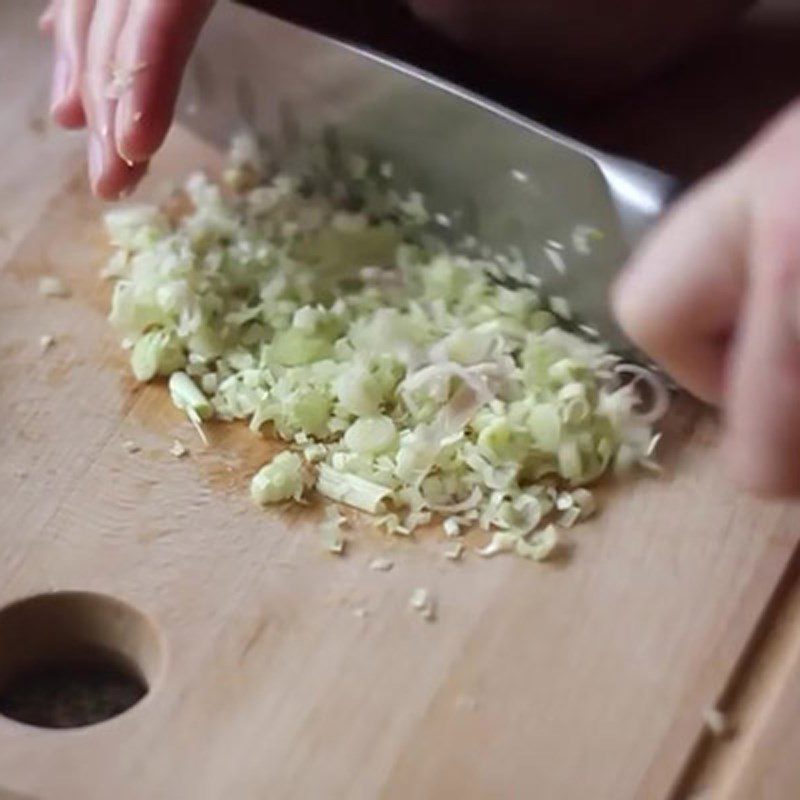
(95, 158)
(126, 120)
(61, 78)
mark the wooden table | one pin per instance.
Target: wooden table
(728, 605)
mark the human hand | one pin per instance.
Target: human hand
(714, 297)
(117, 70)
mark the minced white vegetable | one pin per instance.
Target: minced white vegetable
(455, 552)
(157, 352)
(179, 449)
(281, 479)
(423, 602)
(409, 378)
(46, 341)
(189, 398)
(330, 532)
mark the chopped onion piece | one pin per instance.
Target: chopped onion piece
(467, 504)
(659, 391)
(541, 546)
(351, 490)
(280, 480)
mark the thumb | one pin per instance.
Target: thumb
(679, 298)
(763, 407)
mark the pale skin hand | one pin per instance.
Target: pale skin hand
(714, 296)
(149, 41)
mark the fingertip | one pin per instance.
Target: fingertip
(111, 178)
(631, 306)
(763, 479)
(696, 362)
(66, 103)
(134, 148)
(68, 113)
(119, 181)
(139, 133)
(46, 22)
(762, 465)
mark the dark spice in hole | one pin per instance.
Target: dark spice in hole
(70, 695)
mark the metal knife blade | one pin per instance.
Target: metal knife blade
(518, 183)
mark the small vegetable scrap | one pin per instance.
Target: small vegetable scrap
(582, 237)
(455, 552)
(122, 80)
(331, 532)
(422, 601)
(451, 527)
(381, 565)
(53, 286)
(187, 397)
(539, 547)
(281, 479)
(329, 308)
(129, 446)
(179, 449)
(156, 353)
(46, 341)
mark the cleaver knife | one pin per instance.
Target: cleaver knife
(574, 213)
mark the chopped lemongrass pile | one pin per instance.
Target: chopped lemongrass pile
(409, 380)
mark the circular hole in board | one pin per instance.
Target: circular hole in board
(72, 659)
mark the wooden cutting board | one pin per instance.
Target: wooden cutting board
(584, 678)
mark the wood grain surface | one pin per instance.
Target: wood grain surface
(586, 678)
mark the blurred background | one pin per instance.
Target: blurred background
(686, 120)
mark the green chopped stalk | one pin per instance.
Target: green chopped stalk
(585, 502)
(187, 397)
(371, 435)
(541, 546)
(423, 602)
(330, 532)
(282, 479)
(455, 552)
(351, 490)
(500, 543)
(156, 353)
